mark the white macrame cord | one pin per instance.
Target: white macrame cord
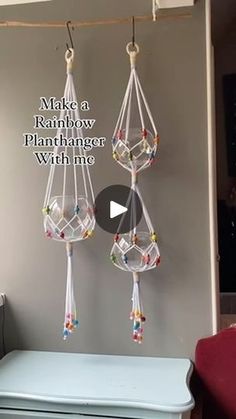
(69, 213)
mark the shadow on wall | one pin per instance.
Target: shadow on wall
(8, 321)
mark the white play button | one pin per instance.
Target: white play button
(116, 209)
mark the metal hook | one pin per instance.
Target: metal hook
(133, 31)
(70, 36)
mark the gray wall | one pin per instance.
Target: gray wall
(172, 68)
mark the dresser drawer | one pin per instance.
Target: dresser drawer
(20, 414)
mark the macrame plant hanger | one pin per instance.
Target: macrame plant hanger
(69, 200)
(135, 149)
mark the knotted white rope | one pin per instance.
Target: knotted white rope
(69, 199)
(135, 154)
(123, 151)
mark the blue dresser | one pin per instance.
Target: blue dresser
(54, 385)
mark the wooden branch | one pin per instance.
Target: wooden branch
(80, 24)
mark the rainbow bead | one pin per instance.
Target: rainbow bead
(154, 237)
(158, 261)
(116, 237)
(119, 135)
(136, 325)
(125, 258)
(76, 210)
(113, 258)
(131, 315)
(144, 132)
(115, 156)
(65, 333)
(140, 339)
(156, 140)
(146, 259)
(90, 233)
(46, 210)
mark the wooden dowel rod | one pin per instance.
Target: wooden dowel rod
(79, 24)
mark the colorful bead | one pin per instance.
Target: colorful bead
(62, 235)
(125, 258)
(158, 261)
(134, 239)
(154, 237)
(144, 132)
(75, 322)
(46, 210)
(136, 325)
(114, 155)
(130, 156)
(146, 259)
(113, 141)
(49, 234)
(151, 157)
(119, 134)
(156, 140)
(143, 319)
(113, 258)
(85, 235)
(77, 209)
(116, 237)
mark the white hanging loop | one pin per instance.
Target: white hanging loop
(132, 50)
(69, 57)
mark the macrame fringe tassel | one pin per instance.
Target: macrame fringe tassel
(137, 310)
(70, 322)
